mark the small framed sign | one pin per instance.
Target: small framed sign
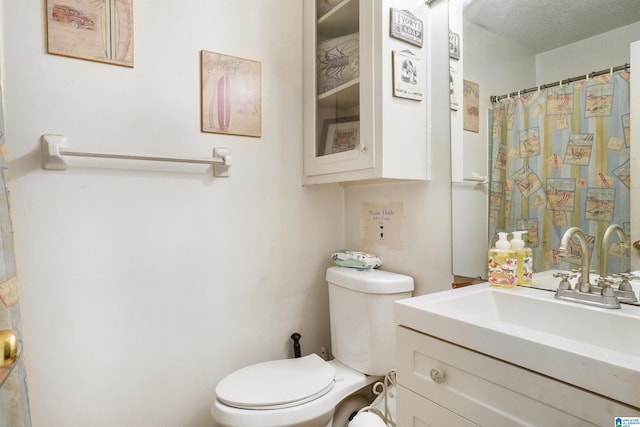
(454, 87)
(407, 75)
(405, 26)
(454, 45)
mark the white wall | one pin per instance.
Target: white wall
(143, 285)
(426, 226)
(593, 54)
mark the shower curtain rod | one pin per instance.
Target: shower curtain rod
(626, 67)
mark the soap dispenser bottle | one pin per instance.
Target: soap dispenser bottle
(524, 259)
(502, 263)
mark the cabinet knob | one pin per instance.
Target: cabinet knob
(636, 245)
(363, 147)
(437, 375)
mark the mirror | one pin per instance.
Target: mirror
(506, 46)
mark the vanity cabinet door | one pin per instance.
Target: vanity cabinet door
(488, 391)
(415, 410)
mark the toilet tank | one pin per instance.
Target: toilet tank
(361, 311)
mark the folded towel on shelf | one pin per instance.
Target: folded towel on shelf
(353, 259)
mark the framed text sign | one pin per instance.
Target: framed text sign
(405, 26)
(407, 75)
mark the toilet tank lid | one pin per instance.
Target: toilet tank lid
(372, 281)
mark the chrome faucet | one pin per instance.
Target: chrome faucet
(583, 282)
(582, 293)
(604, 246)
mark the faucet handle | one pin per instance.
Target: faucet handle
(606, 284)
(624, 281)
(564, 276)
(579, 270)
(626, 276)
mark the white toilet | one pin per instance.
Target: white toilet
(306, 391)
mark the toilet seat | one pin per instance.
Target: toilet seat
(317, 412)
(277, 384)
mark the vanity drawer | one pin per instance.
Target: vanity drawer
(488, 391)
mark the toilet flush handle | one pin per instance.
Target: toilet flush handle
(296, 344)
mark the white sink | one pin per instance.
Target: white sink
(593, 348)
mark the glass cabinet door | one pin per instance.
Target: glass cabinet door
(339, 143)
(357, 126)
(337, 48)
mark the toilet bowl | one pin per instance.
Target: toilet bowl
(305, 391)
(312, 411)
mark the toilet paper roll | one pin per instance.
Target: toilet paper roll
(367, 419)
(347, 407)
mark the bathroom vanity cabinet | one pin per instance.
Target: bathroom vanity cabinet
(365, 91)
(440, 383)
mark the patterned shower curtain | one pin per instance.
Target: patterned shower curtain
(560, 158)
(14, 403)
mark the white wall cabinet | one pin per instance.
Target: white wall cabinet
(356, 127)
(440, 383)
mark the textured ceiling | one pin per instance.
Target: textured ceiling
(542, 25)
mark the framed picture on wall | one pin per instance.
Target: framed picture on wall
(100, 31)
(471, 105)
(454, 45)
(454, 87)
(407, 75)
(406, 26)
(230, 95)
(340, 134)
